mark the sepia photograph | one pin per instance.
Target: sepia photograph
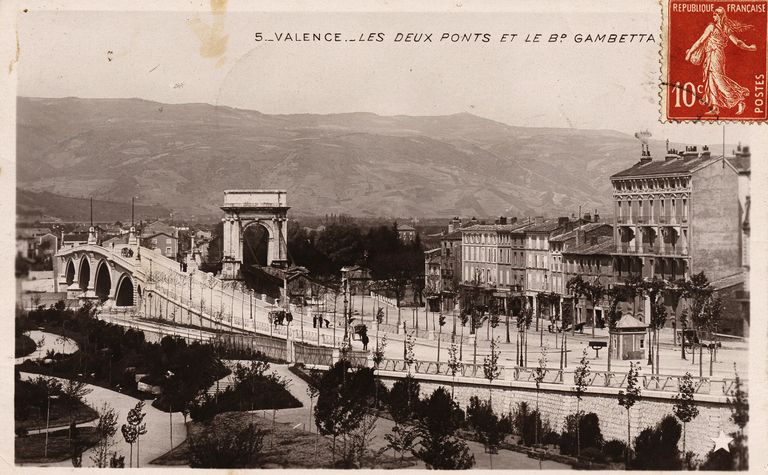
(380, 236)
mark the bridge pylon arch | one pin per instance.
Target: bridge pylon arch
(244, 208)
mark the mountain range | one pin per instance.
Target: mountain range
(183, 156)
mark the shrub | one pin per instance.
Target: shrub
(614, 450)
(437, 419)
(551, 438)
(485, 423)
(403, 399)
(589, 436)
(592, 454)
(656, 448)
(226, 449)
(525, 422)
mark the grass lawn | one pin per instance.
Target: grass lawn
(30, 449)
(59, 418)
(24, 346)
(284, 447)
(59, 415)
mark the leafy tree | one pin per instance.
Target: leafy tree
(486, 425)
(454, 364)
(130, 434)
(409, 357)
(628, 398)
(580, 381)
(437, 420)
(538, 375)
(491, 368)
(106, 428)
(587, 426)
(478, 317)
(440, 322)
(656, 449)
(136, 421)
(74, 391)
(312, 392)
(577, 286)
(345, 399)
(654, 289)
(463, 319)
(615, 295)
(378, 357)
(402, 399)
(523, 324)
(739, 405)
(226, 449)
(696, 290)
(401, 439)
(525, 421)
(685, 408)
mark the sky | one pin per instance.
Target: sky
(202, 56)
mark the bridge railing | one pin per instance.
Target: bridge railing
(596, 379)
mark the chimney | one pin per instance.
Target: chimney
(538, 219)
(690, 152)
(512, 220)
(596, 218)
(705, 153)
(502, 220)
(671, 155)
(587, 217)
(454, 224)
(742, 151)
(562, 221)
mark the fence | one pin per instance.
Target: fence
(310, 354)
(273, 348)
(605, 379)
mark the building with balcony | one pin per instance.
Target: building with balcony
(677, 217)
(584, 234)
(493, 263)
(537, 254)
(593, 260)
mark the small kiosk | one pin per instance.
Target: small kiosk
(628, 339)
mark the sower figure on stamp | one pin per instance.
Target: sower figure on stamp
(709, 51)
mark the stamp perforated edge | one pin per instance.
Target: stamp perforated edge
(663, 89)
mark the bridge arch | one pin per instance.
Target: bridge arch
(124, 293)
(84, 274)
(103, 281)
(243, 209)
(70, 272)
(255, 241)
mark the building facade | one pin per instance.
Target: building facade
(677, 217)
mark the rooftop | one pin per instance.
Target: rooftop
(604, 246)
(683, 164)
(496, 227)
(572, 234)
(728, 281)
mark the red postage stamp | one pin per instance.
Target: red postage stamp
(715, 60)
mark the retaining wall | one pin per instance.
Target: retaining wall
(555, 403)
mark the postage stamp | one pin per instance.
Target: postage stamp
(714, 60)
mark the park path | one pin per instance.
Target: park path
(51, 341)
(153, 444)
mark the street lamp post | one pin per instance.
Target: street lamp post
(169, 375)
(47, 422)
